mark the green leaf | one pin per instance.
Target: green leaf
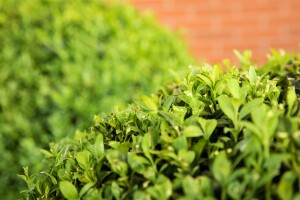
(252, 128)
(205, 80)
(137, 163)
(116, 190)
(146, 145)
(180, 143)
(168, 102)
(234, 88)
(235, 189)
(68, 190)
(53, 179)
(216, 73)
(199, 147)
(46, 153)
(221, 168)
(229, 106)
(208, 126)
(23, 177)
(169, 117)
(64, 174)
(291, 99)
(285, 187)
(83, 159)
(249, 107)
(192, 131)
(190, 187)
(187, 156)
(85, 189)
(120, 168)
(259, 115)
(245, 58)
(47, 190)
(252, 75)
(149, 103)
(205, 187)
(179, 112)
(138, 195)
(162, 190)
(99, 146)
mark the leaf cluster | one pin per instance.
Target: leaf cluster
(214, 135)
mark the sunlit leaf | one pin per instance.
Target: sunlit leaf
(83, 159)
(285, 187)
(149, 103)
(99, 146)
(229, 106)
(249, 107)
(192, 131)
(68, 190)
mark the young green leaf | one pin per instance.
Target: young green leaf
(234, 88)
(53, 179)
(168, 102)
(180, 143)
(83, 159)
(192, 131)
(291, 99)
(146, 145)
(245, 58)
(208, 126)
(149, 103)
(187, 156)
(99, 146)
(68, 190)
(252, 75)
(249, 107)
(85, 189)
(206, 80)
(229, 106)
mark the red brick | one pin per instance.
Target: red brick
(213, 28)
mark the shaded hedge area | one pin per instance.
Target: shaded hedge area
(216, 134)
(64, 60)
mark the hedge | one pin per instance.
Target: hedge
(64, 60)
(216, 134)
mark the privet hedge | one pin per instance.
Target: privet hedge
(215, 135)
(61, 61)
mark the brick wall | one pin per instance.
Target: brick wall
(213, 28)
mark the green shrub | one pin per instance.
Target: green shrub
(215, 135)
(63, 60)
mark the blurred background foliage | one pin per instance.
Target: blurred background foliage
(63, 61)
